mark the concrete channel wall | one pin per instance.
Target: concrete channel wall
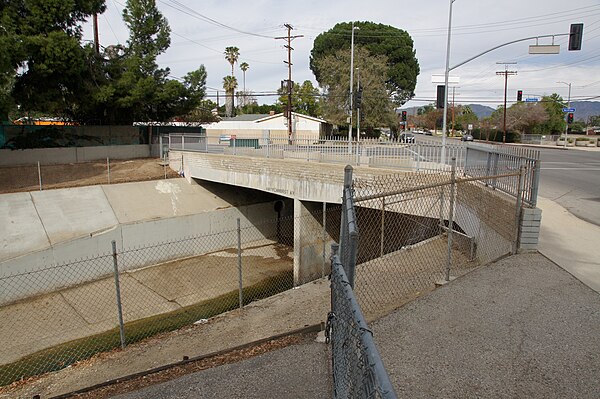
(51, 235)
(48, 156)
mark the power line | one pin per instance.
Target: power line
(195, 14)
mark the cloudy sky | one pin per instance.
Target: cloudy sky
(202, 29)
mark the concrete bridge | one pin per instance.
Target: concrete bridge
(307, 188)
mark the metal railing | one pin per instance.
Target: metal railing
(490, 160)
(473, 159)
(395, 154)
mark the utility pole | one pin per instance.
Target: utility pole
(351, 88)
(96, 40)
(506, 73)
(290, 85)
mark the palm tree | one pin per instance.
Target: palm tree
(231, 55)
(244, 67)
(229, 84)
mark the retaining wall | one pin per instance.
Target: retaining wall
(47, 156)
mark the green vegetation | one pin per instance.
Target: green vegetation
(48, 70)
(396, 45)
(63, 355)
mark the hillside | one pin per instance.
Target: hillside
(583, 110)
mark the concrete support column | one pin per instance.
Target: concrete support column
(308, 241)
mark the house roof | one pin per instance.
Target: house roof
(246, 117)
(268, 117)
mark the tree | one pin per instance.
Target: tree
(402, 67)
(43, 65)
(131, 86)
(377, 109)
(229, 84)
(305, 99)
(49, 72)
(555, 123)
(231, 55)
(243, 99)
(244, 67)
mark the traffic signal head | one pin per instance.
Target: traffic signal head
(403, 116)
(441, 92)
(575, 37)
(359, 97)
(570, 117)
(519, 95)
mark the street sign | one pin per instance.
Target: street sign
(531, 100)
(568, 109)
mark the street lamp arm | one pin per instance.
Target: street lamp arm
(502, 45)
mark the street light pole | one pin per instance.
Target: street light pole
(351, 87)
(566, 116)
(358, 110)
(446, 73)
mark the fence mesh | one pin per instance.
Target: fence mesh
(357, 368)
(56, 314)
(405, 246)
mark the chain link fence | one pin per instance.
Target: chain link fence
(358, 370)
(57, 314)
(421, 229)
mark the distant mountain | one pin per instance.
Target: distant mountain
(583, 110)
(482, 111)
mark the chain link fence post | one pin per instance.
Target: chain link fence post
(118, 292)
(239, 259)
(451, 218)
(40, 175)
(519, 207)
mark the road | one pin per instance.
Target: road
(571, 179)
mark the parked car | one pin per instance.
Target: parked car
(467, 137)
(407, 138)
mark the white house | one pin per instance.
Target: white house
(268, 127)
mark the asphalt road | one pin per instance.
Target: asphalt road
(572, 179)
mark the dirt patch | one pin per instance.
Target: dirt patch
(26, 177)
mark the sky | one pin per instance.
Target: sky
(200, 31)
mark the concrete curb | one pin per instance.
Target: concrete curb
(304, 330)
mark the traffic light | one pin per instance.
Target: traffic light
(403, 116)
(441, 92)
(575, 37)
(570, 117)
(519, 95)
(359, 97)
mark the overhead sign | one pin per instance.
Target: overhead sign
(531, 100)
(568, 109)
(544, 49)
(440, 79)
